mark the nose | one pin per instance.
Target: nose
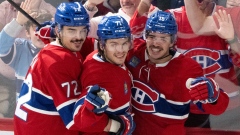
(157, 41)
(119, 48)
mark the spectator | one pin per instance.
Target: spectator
(8, 12)
(19, 52)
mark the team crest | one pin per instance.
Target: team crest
(134, 61)
(212, 61)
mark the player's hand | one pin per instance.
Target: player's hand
(127, 125)
(203, 89)
(97, 99)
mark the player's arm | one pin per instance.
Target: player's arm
(207, 95)
(199, 16)
(10, 32)
(90, 116)
(89, 110)
(62, 85)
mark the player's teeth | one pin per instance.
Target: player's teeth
(155, 50)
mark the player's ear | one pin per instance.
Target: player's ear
(56, 30)
(101, 46)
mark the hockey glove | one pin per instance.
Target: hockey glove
(46, 31)
(127, 125)
(97, 99)
(203, 89)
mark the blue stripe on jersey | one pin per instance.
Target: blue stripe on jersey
(78, 105)
(66, 113)
(163, 106)
(41, 102)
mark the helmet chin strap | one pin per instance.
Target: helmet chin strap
(163, 57)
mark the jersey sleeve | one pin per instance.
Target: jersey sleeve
(62, 84)
(210, 108)
(219, 106)
(8, 36)
(84, 119)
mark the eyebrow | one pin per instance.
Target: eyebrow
(72, 28)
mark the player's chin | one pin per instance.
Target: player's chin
(76, 48)
(155, 55)
(120, 61)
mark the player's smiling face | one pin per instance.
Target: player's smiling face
(115, 50)
(73, 38)
(158, 46)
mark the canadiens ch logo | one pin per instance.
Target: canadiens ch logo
(143, 97)
(207, 58)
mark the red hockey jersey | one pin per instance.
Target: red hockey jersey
(160, 99)
(116, 80)
(211, 52)
(49, 92)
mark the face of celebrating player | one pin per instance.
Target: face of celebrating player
(158, 46)
(115, 50)
(72, 38)
(129, 6)
(36, 41)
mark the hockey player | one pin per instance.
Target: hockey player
(209, 51)
(163, 89)
(106, 68)
(19, 52)
(51, 86)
